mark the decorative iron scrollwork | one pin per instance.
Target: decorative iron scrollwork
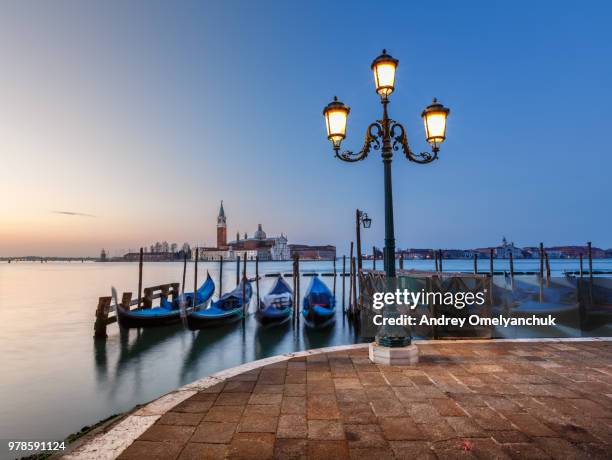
(373, 136)
(398, 134)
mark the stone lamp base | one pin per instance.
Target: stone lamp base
(396, 356)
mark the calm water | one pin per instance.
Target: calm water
(55, 379)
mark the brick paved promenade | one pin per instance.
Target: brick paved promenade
(463, 400)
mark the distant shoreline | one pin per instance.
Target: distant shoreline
(96, 259)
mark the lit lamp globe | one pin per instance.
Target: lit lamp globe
(336, 114)
(384, 74)
(434, 118)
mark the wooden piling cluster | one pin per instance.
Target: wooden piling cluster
(104, 307)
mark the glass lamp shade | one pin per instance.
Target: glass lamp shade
(367, 222)
(336, 115)
(434, 118)
(384, 74)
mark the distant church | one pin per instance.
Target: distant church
(273, 248)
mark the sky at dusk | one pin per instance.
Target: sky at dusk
(126, 122)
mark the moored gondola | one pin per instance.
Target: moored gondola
(319, 304)
(229, 308)
(203, 294)
(277, 305)
(166, 314)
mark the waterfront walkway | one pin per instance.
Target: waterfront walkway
(496, 399)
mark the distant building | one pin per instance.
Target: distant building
(149, 256)
(457, 253)
(304, 251)
(260, 245)
(414, 253)
(504, 251)
(103, 257)
(267, 248)
(221, 229)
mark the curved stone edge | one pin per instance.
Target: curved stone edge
(109, 444)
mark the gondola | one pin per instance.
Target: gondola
(166, 314)
(203, 294)
(227, 309)
(277, 305)
(319, 304)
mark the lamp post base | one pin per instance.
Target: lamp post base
(394, 356)
(393, 342)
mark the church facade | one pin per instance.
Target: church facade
(259, 245)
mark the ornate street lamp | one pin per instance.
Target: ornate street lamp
(387, 135)
(363, 219)
(366, 220)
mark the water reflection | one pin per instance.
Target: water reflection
(52, 366)
(269, 338)
(195, 354)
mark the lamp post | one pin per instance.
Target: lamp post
(387, 135)
(361, 218)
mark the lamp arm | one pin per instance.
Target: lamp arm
(372, 140)
(398, 134)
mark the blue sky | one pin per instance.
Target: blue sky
(147, 114)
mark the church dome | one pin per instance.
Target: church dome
(260, 234)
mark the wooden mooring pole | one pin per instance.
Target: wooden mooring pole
(401, 260)
(184, 271)
(511, 264)
(491, 261)
(350, 304)
(541, 260)
(140, 277)
(257, 279)
(220, 276)
(355, 301)
(237, 269)
(590, 253)
(335, 274)
(343, 282)
(195, 279)
(440, 255)
(294, 279)
(358, 238)
(475, 264)
(547, 265)
(435, 253)
(298, 290)
(581, 270)
(102, 317)
(373, 257)
(245, 304)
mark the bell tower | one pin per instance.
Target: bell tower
(221, 229)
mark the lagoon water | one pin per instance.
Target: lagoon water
(56, 379)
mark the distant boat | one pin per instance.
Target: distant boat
(166, 314)
(277, 305)
(319, 304)
(227, 309)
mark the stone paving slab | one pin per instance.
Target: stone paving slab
(494, 399)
